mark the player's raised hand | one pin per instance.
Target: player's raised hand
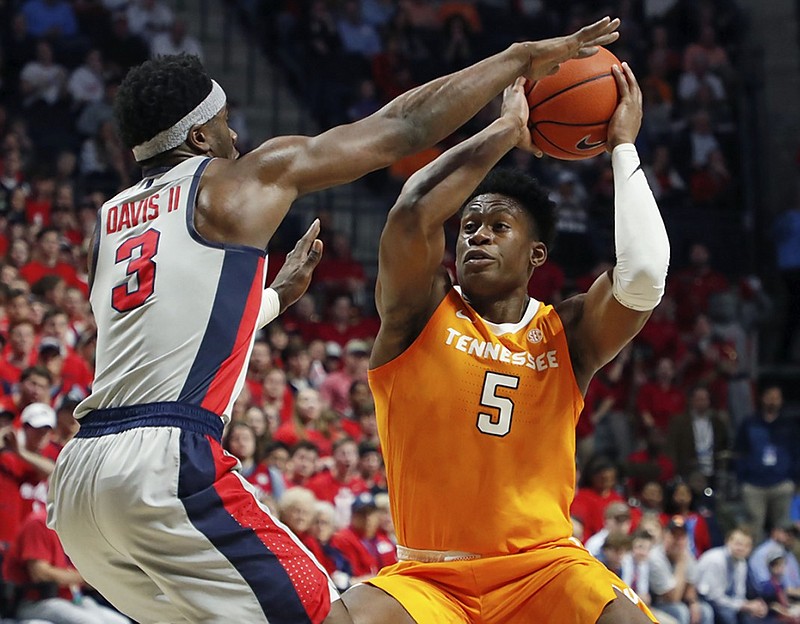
(547, 55)
(627, 119)
(515, 106)
(295, 275)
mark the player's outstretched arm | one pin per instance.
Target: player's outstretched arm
(601, 322)
(427, 114)
(410, 280)
(281, 169)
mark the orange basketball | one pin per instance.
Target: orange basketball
(570, 110)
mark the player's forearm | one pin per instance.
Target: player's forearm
(438, 190)
(42, 464)
(431, 112)
(641, 239)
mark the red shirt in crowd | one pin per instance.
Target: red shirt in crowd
(287, 433)
(35, 270)
(366, 556)
(662, 403)
(35, 542)
(589, 507)
(326, 486)
(21, 485)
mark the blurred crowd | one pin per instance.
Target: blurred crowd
(677, 446)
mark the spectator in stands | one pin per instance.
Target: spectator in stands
(681, 503)
(46, 261)
(262, 427)
(49, 585)
(335, 390)
(768, 463)
(693, 286)
(303, 463)
(23, 467)
(148, 18)
(296, 510)
(773, 592)
(259, 365)
(19, 354)
(305, 423)
(661, 399)
(615, 553)
(597, 489)
(240, 441)
(358, 38)
(342, 483)
(298, 366)
(457, 45)
(53, 19)
(176, 41)
(121, 48)
(698, 437)
(323, 527)
(42, 79)
(722, 580)
(673, 577)
(34, 386)
(715, 56)
(338, 272)
(616, 519)
(669, 187)
(370, 466)
(698, 73)
(650, 463)
(87, 82)
(365, 549)
(342, 322)
(782, 540)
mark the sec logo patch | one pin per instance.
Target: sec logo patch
(535, 336)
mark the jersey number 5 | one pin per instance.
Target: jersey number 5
(498, 424)
(141, 271)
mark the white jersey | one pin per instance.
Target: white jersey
(176, 314)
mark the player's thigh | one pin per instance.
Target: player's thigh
(367, 605)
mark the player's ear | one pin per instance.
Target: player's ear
(538, 254)
(198, 139)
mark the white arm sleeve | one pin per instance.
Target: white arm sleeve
(639, 234)
(270, 307)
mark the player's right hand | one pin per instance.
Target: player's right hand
(627, 119)
(547, 55)
(515, 107)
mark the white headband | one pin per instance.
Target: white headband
(175, 135)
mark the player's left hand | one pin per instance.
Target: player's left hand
(294, 277)
(547, 55)
(515, 106)
(627, 119)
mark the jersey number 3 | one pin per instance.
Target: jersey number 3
(498, 423)
(141, 271)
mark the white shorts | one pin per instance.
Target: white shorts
(155, 515)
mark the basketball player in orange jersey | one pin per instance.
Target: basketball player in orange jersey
(147, 505)
(478, 388)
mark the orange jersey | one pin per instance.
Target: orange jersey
(477, 425)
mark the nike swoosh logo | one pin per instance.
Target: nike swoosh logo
(584, 144)
(460, 314)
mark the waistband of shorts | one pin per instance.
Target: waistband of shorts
(433, 556)
(184, 416)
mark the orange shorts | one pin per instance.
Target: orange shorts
(560, 582)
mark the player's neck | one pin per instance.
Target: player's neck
(509, 309)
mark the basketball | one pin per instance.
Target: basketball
(570, 110)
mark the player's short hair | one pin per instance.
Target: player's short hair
(528, 192)
(157, 94)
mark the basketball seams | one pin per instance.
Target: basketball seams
(570, 87)
(558, 147)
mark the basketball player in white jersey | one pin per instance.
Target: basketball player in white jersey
(148, 506)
